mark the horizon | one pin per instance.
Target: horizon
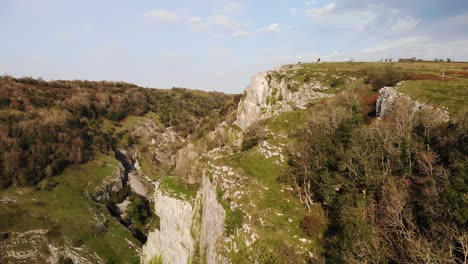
(226, 92)
(217, 45)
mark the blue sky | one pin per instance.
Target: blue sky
(217, 44)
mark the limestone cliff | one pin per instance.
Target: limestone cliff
(172, 242)
(273, 92)
(389, 96)
(212, 222)
(181, 227)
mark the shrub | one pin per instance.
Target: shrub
(4, 101)
(381, 77)
(312, 225)
(252, 136)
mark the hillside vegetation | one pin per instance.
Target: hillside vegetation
(326, 182)
(46, 126)
(393, 190)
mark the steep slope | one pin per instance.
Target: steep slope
(269, 212)
(72, 165)
(302, 172)
(246, 212)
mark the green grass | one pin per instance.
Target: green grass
(91, 174)
(109, 126)
(285, 122)
(156, 260)
(280, 210)
(288, 122)
(174, 186)
(452, 94)
(153, 172)
(264, 170)
(68, 211)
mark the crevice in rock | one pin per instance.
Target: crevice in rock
(138, 234)
(123, 194)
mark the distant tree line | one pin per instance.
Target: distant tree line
(414, 59)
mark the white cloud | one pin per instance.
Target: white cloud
(383, 21)
(225, 22)
(396, 44)
(293, 11)
(233, 27)
(194, 20)
(197, 23)
(232, 7)
(220, 74)
(403, 25)
(241, 33)
(321, 10)
(172, 56)
(161, 16)
(418, 46)
(309, 3)
(273, 28)
(370, 22)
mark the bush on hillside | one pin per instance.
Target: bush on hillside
(381, 77)
(252, 136)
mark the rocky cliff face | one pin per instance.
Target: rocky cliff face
(172, 242)
(196, 229)
(212, 223)
(181, 227)
(271, 93)
(389, 96)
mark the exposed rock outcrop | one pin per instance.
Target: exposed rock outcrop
(389, 96)
(112, 184)
(28, 247)
(173, 241)
(212, 226)
(181, 227)
(185, 160)
(271, 93)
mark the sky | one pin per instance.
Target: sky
(218, 44)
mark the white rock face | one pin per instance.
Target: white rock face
(389, 95)
(213, 218)
(136, 184)
(173, 242)
(177, 237)
(268, 96)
